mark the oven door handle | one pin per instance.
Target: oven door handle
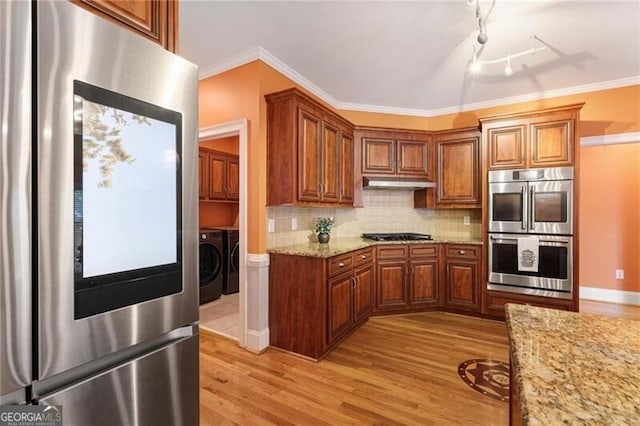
(523, 195)
(491, 237)
(532, 207)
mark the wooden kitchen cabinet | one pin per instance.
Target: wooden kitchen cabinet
(314, 303)
(310, 155)
(219, 176)
(457, 169)
(545, 138)
(394, 152)
(495, 301)
(462, 277)
(408, 277)
(157, 20)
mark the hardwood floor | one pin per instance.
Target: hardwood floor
(610, 309)
(393, 370)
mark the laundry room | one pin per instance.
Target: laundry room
(219, 245)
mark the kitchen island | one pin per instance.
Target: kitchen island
(573, 368)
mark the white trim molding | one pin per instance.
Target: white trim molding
(239, 128)
(260, 53)
(257, 301)
(617, 138)
(608, 295)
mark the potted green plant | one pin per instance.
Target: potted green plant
(323, 228)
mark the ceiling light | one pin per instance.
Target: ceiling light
(476, 63)
(508, 71)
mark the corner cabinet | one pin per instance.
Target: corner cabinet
(219, 176)
(310, 153)
(408, 277)
(545, 138)
(157, 20)
(315, 303)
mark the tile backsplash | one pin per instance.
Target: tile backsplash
(383, 211)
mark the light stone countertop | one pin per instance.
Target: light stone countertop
(574, 368)
(344, 245)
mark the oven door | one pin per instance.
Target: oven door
(551, 207)
(554, 277)
(508, 207)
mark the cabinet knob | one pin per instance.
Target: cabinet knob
(363, 256)
(461, 252)
(341, 264)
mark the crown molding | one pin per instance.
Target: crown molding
(618, 138)
(259, 53)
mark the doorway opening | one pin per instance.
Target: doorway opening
(223, 227)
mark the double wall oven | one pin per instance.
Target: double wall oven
(531, 218)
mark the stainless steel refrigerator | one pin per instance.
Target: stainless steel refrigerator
(98, 220)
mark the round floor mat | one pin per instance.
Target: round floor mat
(487, 376)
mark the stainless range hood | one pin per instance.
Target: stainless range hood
(396, 183)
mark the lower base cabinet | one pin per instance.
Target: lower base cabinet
(314, 303)
(462, 277)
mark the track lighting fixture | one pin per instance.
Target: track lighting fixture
(508, 71)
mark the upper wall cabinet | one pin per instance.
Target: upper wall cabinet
(457, 168)
(156, 20)
(310, 152)
(219, 176)
(403, 153)
(546, 138)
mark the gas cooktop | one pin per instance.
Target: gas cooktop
(402, 236)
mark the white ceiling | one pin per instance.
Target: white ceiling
(412, 56)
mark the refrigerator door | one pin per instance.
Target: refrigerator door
(75, 45)
(15, 200)
(160, 388)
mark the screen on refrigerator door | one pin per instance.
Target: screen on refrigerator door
(127, 200)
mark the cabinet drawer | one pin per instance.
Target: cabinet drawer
(392, 252)
(363, 257)
(340, 264)
(463, 252)
(496, 301)
(423, 250)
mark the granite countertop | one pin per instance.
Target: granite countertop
(338, 246)
(573, 368)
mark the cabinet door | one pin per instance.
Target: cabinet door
(378, 156)
(217, 175)
(330, 158)
(233, 178)
(462, 284)
(552, 143)
(458, 172)
(391, 290)
(346, 169)
(413, 158)
(309, 156)
(340, 309)
(203, 175)
(423, 290)
(507, 147)
(155, 20)
(363, 296)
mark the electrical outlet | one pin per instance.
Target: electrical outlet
(467, 220)
(294, 223)
(619, 274)
(271, 225)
